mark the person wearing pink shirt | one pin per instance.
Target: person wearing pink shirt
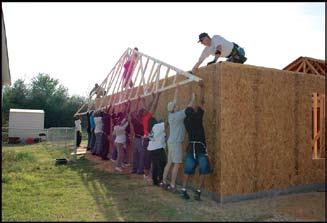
(129, 67)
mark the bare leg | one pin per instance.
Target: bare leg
(201, 182)
(166, 171)
(185, 180)
(174, 174)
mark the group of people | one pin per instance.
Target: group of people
(111, 133)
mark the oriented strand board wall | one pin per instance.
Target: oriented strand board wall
(258, 127)
(210, 119)
(266, 128)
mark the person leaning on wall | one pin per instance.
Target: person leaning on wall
(218, 46)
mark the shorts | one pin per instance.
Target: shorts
(201, 159)
(175, 153)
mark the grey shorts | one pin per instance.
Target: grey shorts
(175, 152)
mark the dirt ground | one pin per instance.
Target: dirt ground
(309, 206)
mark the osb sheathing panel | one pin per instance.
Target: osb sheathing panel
(211, 121)
(264, 129)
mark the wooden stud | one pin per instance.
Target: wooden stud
(315, 130)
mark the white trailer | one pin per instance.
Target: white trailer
(26, 123)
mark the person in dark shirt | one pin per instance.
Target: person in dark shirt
(196, 154)
(88, 131)
(138, 152)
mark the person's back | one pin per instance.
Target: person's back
(193, 124)
(78, 125)
(176, 126)
(120, 132)
(157, 136)
(98, 124)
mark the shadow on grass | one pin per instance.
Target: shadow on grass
(121, 197)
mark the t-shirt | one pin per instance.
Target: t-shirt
(145, 121)
(88, 122)
(157, 137)
(98, 125)
(129, 68)
(193, 124)
(92, 123)
(106, 119)
(119, 131)
(226, 47)
(78, 126)
(176, 126)
(138, 127)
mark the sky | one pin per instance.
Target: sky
(79, 43)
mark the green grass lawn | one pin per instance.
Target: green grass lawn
(35, 189)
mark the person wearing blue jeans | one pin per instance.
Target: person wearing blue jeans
(138, 152)
(196, 154)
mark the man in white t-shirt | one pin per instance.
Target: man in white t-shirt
(157, 153)
(218, 46)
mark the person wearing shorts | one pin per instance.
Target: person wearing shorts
(196, 154)
(176, 136)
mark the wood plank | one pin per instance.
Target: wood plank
(313, 69)
(322, 125)
(293, 66)
(315, 130)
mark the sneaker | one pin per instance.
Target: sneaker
(185, 195)
(172, 189)
(147, 178)
(163, 185)
(125, 165)
(197, 195)
(133, 172)
(119, 169)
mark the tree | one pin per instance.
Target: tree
(44, 93)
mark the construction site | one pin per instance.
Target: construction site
(264, 127)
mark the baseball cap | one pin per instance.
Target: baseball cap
(202, 35)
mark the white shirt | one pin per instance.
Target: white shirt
(176, 126)
(226, 47)
(157, 137)
(78, 126)
(98, 125)
(119, 131)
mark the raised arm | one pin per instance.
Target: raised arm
(191, 103)
(201, 104)
(156, 99)
(149, 106)
(176, 94)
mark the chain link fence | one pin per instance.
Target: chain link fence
(56, 137)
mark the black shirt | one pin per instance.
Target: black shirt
(193, 124)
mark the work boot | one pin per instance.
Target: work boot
(185, 195)
(197, 195)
